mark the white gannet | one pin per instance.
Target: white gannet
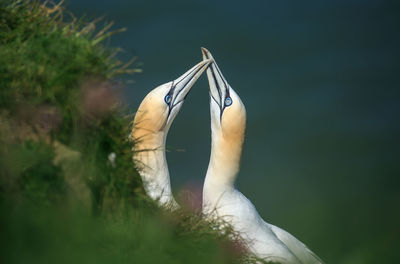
(220, 198)
(150, 128)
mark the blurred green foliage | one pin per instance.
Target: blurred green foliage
(56, 96)
(69, 191)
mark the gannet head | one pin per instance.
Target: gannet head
(228, 124)
(228, 114)
(159, 108)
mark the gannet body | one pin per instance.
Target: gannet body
(150, 128)
(220, 198)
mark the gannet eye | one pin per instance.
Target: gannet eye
(167, 99)
(228, 101)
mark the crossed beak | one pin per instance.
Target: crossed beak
(180, 87)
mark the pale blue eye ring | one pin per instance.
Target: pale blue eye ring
(167, 99)
(228, 101)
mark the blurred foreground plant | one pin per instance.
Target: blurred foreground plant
(57, 98)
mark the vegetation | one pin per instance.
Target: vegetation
(68, 189)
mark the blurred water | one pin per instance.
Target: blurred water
(320, 84)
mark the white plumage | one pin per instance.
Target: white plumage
(220, 198)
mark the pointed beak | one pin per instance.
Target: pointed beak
(219, 88)
(181, 86)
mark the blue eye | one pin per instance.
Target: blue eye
(228, 101)
(168, 99)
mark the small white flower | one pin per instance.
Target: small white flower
(111, 159)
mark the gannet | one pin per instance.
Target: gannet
(150, 128)
(220, 198)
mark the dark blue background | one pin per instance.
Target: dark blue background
(320, 83)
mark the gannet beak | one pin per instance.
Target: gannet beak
(219, 87)
(180, 87)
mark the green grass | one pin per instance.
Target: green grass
(61, 198)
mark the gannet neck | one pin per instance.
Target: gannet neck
(224, 162)
(149, 155)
